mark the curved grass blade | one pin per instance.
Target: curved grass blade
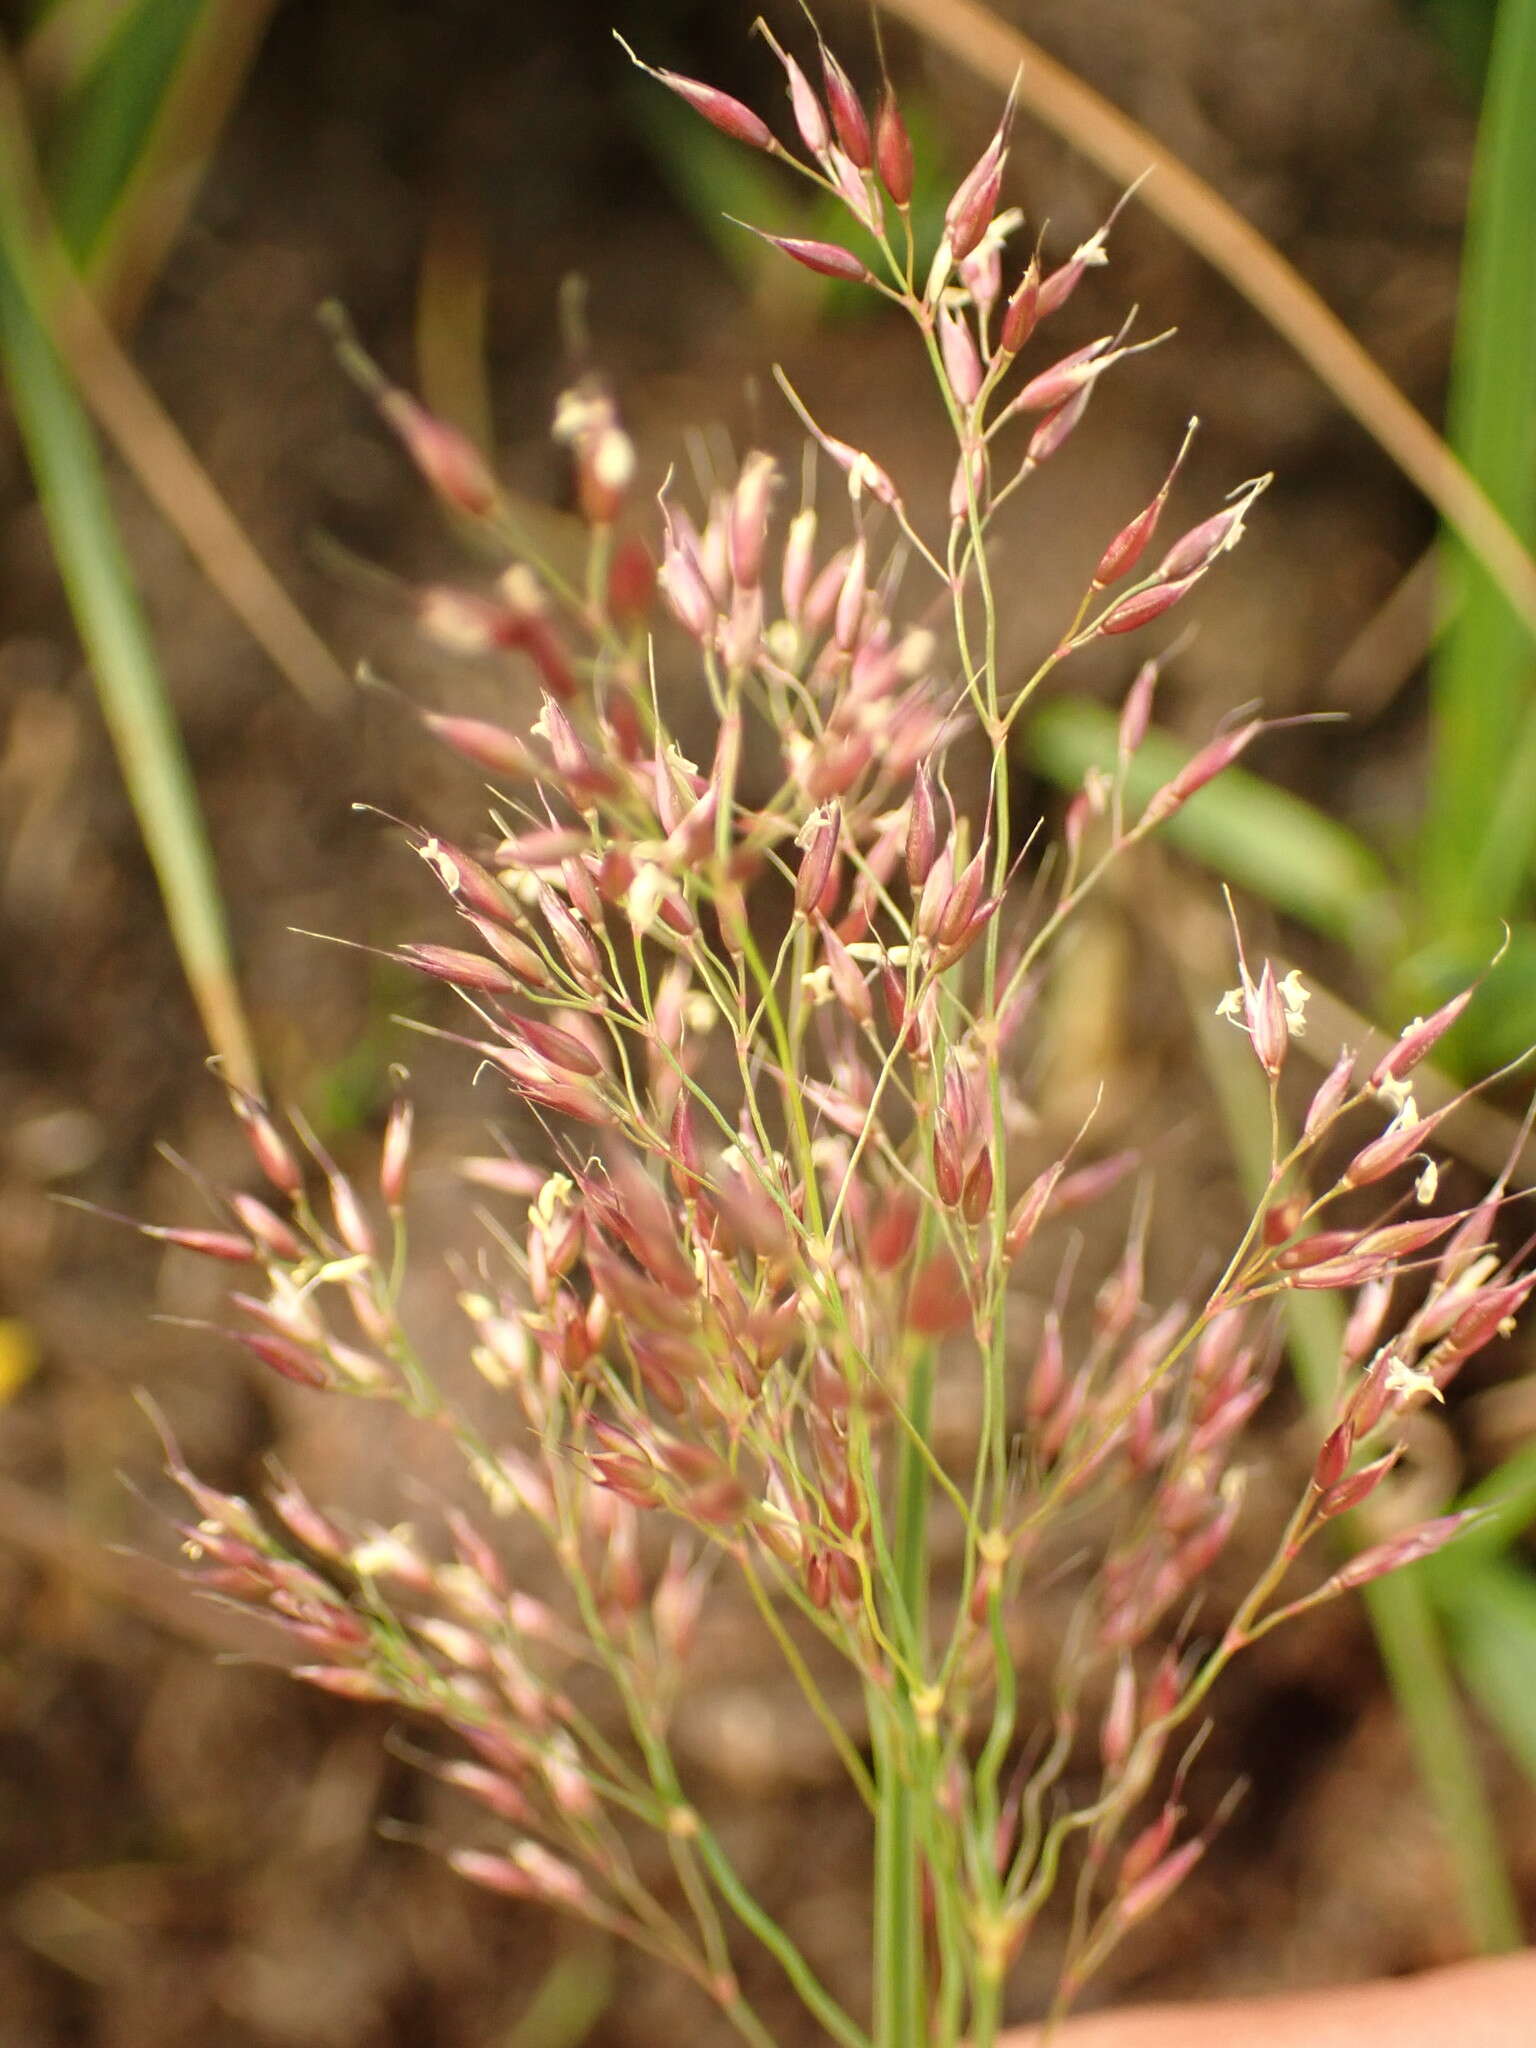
(1480, 827)
(70, 484)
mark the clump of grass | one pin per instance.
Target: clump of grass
(764, 1013)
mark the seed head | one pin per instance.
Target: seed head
(969, 213)
(848, 116)
(893, 149)
(447, 458)
(719, 109)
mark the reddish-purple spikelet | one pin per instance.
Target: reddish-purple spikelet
(1143, 606)
(962, 359)
(1331, 1094)
(1022, 311)
(1161, 1881)
(395, 1152)
(1205, 766)
(1055, 428)
(893, 149)
(281, 1355)
(820, 841)
(938, 1301)
(488, 746)
(1063, 380)
(827, 259)
(1418, 1040)
(847, 110)
(971, 209)
(721, 111)
(225, 1245)
(1357, 1487)
(1128, 546)
(810, 116)
(1399, 1143)
(447, 458)
(1402, 1550)
(1136, 713)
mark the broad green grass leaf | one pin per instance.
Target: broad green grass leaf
(1480, 829)
(1492, 1626)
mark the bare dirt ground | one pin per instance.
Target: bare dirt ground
(189, 1850)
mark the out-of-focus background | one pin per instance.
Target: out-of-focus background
(190, 1850)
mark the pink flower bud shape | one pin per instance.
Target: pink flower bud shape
(848, 983)
(1025, 1216)
(748, 525)
(1063, 380)
(488, 746)
(1204, 767)
(447, 458)
(1022, 310)
(687, 593)
(982, 273)
(1119, 1727)
(1054, 430)
(848, 116)
(821, 598)
(969, 213)
(1394, 1148)
(1267, 1028)
(961, 357)
(463, 623)
(819, 837)
(976, 1195)
(459, 968)
(810, 116)
(827, 259)
(1366, 1318)
(948, 1163)
(938, 1302)
(854, 190)
(226, 1245)
(799, 563)
(631, 581)
(1333, 1459)
(574, 942)
(1212, 537)
(1331, 1094)
(267, 1229)
(288, 1360)
(848, 618)
(1138, 1901)
(1143, 606)
(937, 884)
(741, 635)
(963, 900)
(922, 827)
(1136, 713)
(1351, 1491)
(1398, 1551)
(1047, 1382)
(969, 484)
(1419, 1038)
(605, 469)
(395, 1152)
(893, 1229)
(1128, 546)
(272, 1154)
(893, 150)
(718, 108)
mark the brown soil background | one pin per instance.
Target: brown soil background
(189, 1851)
